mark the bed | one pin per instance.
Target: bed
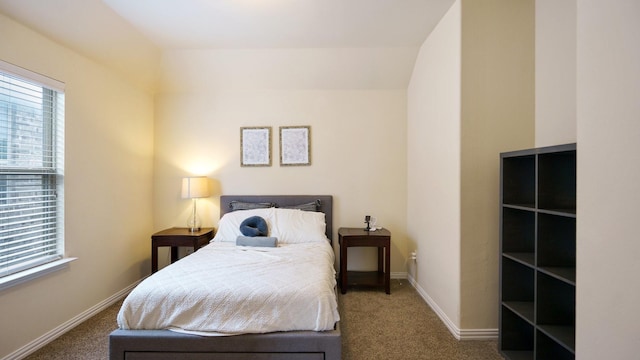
(322, 343)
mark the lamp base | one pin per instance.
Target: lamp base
(193, 223)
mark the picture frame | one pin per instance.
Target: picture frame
(295, 145)
(255, 146)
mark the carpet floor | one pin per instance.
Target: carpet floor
(374, 326)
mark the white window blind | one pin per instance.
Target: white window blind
(31, 170)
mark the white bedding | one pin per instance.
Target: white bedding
(223, 289)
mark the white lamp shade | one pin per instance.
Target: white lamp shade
(195, 187)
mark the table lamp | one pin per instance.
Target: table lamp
(194, 188)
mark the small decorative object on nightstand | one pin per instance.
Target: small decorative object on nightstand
(176, 237)
(381, 238)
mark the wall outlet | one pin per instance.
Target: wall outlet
(414, 256)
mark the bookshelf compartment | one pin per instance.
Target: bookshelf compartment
(516, 338)
(556, 309)
(519, 185)
(557, 181)
(518, 234)
(518, 283)
(556, 253)
(549, 349)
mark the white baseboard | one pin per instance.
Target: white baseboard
(478, 334)
(460, 334)
(68, 325)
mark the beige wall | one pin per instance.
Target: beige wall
(471, 97)
(555, 72)
(497, 116)
(433, 153)
(358, 136)
(608, 112)
(108, 177)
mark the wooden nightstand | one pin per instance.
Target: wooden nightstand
(176, 237)
(349, 237)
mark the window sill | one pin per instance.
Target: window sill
(36, 272)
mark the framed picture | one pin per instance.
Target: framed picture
(255, 146)
(295, 145)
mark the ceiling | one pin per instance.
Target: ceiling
(281, 23)
(131, 35)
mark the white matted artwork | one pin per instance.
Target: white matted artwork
(255, 146)
(295, 145)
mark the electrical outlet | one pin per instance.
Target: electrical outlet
(414, 256)
(188, 251)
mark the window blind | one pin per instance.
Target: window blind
(31, 172)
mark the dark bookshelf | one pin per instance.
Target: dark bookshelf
(538, 253)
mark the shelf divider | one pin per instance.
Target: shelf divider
(523, 258)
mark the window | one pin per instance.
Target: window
(31, 171)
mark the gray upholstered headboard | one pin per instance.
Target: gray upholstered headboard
(326, 204)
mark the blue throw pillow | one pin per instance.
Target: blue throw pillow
(254, 226)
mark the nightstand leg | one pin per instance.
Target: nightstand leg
(343, 269)
(154, 258)
(174, 254)
(387, 269)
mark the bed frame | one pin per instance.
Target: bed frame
(165, 344)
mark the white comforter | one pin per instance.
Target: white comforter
(223, 289)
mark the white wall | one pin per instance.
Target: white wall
(555, 72)
(433, 174)
(358, 133)
(596, 42)
(108, 177)
(608, 113)
(286, 69)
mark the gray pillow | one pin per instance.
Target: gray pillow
(243, 205)
(312, 206)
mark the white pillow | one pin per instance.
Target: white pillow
(292, 226)
(229, 224)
